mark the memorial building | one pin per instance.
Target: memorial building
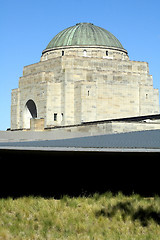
(84, 75)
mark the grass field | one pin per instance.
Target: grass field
(97, 217)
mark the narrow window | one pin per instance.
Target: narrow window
(61, 116)
(88, 92)
(62, 53)
(106, 53)
(55, 116)
(84, 53)
(146, 96)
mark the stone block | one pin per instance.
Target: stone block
(36, 124)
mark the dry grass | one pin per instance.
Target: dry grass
(99, 217)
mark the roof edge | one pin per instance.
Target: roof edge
(84, 46)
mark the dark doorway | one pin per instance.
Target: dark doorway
(32, 108)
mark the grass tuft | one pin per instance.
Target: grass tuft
(98, 217)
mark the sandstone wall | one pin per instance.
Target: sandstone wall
(83, 86)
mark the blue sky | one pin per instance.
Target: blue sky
(26, 27)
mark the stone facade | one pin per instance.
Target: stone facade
(110, 127)
(76, 84)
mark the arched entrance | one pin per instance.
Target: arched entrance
(30, 111)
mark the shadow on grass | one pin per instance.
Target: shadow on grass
(144, 215)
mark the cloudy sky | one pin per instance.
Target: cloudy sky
(26, 27)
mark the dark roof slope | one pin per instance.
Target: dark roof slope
(142, 139)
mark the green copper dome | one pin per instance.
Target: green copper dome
(84, 34)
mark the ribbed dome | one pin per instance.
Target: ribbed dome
(84, 34)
